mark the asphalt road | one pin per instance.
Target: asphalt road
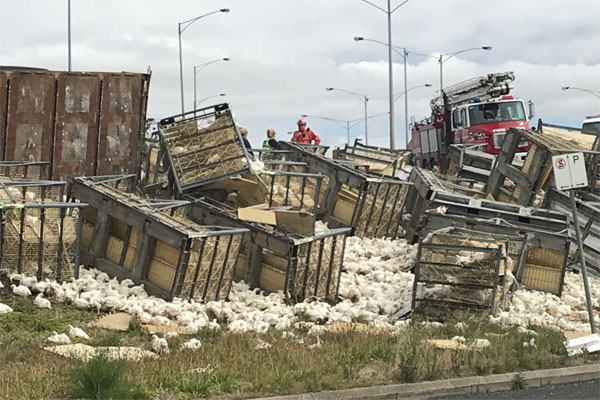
(589, 390)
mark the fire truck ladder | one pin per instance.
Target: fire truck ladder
(482, 87)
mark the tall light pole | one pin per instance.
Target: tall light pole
(182, 26)
(389, 11)
(198, 68)
(363, 98)
(196, 102)
(445, 57)
(592, 92)
(69, 30)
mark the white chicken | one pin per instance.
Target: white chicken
(160, 345)
(5, 309)
(59, 338)
(78, 333)
(20, 290)
(192, 344)
(41, 302)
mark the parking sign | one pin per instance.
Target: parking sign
(569, 171)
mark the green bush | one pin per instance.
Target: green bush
(102, 378)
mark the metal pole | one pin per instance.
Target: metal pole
(366, 118)
(441, 77)
(180, 68)
(586, 285)
(69, 31)
(194, 87)
(405, 103)
(391, 75)
(348, 130)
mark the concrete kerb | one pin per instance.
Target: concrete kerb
(475, 384)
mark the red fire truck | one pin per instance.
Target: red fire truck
(478, 111)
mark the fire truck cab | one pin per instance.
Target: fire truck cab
(478, 111)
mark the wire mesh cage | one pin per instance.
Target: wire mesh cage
(152, 242)
(40, 234)
(201, 147)
(456, 278)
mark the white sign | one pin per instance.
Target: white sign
(569, 171)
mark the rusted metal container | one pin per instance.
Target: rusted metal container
(82, 123)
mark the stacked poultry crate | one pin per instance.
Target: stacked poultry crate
(350, 197)
(40, 233)
(152, 241)
(459, 271)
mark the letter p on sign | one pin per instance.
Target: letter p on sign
(569, 171)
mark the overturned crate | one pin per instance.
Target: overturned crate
(152, 242)
(589, 223)
(455, 275)
(379, 160)
(152, 179)
(201, 147)
(426, 185)
(527, 184)
(40, 235)
(469, 162)
(547, 245)
(372, 205)
(302, 267)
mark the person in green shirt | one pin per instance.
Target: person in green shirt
(269, 144)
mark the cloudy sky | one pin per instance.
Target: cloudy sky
(284, 53)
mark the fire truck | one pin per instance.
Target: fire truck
(478, 111)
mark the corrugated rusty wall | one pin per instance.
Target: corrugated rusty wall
(82, 123)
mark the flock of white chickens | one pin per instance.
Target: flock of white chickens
(374, 285)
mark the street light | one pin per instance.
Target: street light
(206, 98)
(198, 68)
(592, 92)
(404, 56)
(389, 13)
(182, 26)
(448, 56)
(361, 97)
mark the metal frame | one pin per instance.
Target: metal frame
(8, 168)
(466, 162)
(155, 221)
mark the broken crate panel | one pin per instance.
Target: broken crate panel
(153, 178)
(151, 242)
(526, 185)
(589, 221)
(83, 123)
(454, 276)
(201, 147)
(302, 267)
(469, 162)
(547, 235)
(350, 198)
(40, 234)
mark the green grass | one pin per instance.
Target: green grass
(229, 364)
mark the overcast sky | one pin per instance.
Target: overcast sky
(284, 53)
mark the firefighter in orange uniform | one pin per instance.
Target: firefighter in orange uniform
(305, 135)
